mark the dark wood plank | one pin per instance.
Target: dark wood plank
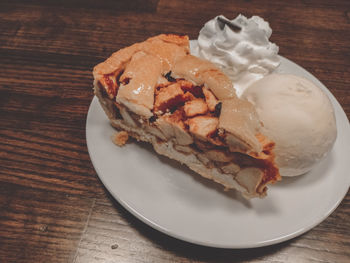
(53, 208)
(40, 225)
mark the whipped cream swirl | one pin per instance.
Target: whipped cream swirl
(245, 55)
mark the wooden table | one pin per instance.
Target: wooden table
(53, 207)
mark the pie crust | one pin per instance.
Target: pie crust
(188, 110)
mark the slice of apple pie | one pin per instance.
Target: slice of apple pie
(188, 110)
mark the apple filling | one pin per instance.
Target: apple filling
(188, 110)
(188, 115)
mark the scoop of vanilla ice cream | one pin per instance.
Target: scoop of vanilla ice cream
(245, 55)
(298, 117)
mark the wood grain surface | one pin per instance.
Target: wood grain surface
(53, 208)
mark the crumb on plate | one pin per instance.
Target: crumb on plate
(120, 138)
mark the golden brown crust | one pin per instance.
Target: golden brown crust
(182, 41)
(118, 59)
(239, 119)
(201, 71)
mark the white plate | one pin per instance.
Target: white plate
(174, 200)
